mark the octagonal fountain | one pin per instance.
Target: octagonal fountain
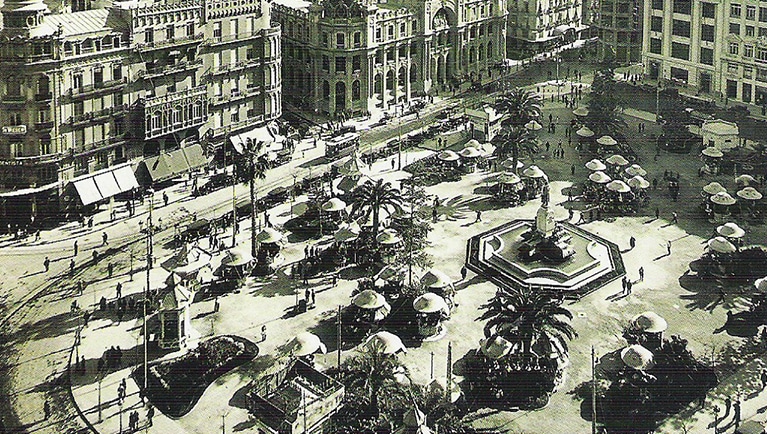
(543, 253)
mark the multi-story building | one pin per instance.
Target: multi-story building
(715, 49)
(619, 28)
(538, 25)
(83, 91)
(347, 57)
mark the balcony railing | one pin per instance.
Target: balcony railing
(231, 67)
(101, 86)
(96, 146)
(97, 115)
(243, 36)
(42, 97)
(249, 91)
(44, 125)
(171, 69)
(195, 92)
(158, 45)
(231, 128)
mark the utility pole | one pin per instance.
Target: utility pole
(593, 392)
(234, 205)
(253, 204)
(338, 337)
(449, 382)
(146, 289)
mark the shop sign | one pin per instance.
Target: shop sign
(15, 130)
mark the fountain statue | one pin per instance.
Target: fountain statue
(546, 241)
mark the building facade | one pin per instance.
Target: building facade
(713, 49)
(619, 28)
(82, 91)
(538, 25)
(346, 57)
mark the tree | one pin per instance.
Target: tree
(511, 140)
(256, 168)
(371, 197)
(528, 317)
(604, 105)
(372, 375)
(521, 106)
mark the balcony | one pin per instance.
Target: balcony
(98, 115)
(166, 43)
(221, 40)
(43, 97)
(14, 100)
(96, 88)
(176, 97)
(44, 125)
(170, 69)
(251, 122)
(232, 67)
(175, 112)
(89, 148)
(250, 91)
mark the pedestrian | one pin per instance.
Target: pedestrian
(216, 305)
(464, 272)
(110, 269)
(118, 289)
(82, 365)
(624, 284)
(80, 287)
(149, 415)
(674, 217)
(629, 284)
(763, 378)
(306, 251)
(641, 274)
(47, 264)
(71, 266)
(668, 247)
(314, 296)
(307, 295)
(75, 248)
(572, 169)
(335, 282)
(46, 410)
(37, 238)
(104, 239)
(434, 215)
(392, 164)
(736, 412)
(95, 256)
(263, 333)
(657, 213)
(632, 242)
(86, 317)
(165, 198)
(479, 216)
(570, 214)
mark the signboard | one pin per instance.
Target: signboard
(15, 130)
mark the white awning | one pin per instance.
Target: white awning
(87, 190)
(125, 178)
(107, 184)
(260, 134)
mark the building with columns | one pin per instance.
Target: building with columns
(706, 48)
(344, 56)
(538, 25)
(85, 91)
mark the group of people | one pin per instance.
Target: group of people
(110, 359)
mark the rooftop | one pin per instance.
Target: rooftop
(73, 23)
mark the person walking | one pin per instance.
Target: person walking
(216, 305)
(736, 412)
(74, 247)
(119, 290)
(629, 284)
(314, 297)
(165, 198)
(641, 274)
(46, 410)
(149, 415)
(47, 264)
(668, 247)
(674, 217)
(263, 333)
(763, 378)
(657, 213)
(71, 266)
(86, 317)
(110, 269)
(479, 216)
(624, 284)
(104, 239)
(632, 242)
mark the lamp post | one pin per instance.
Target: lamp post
(146, 291)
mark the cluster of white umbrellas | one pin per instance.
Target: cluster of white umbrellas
(347, 232)
(334, 205)
(731, 230)
(534, 172)
(585, 132)
(721, 245)
(712, 152)
(617, 160)
(600, 177)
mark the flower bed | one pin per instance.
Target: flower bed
(175, 386)
(430, 171)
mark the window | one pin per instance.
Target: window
(734, 29)
(656, 24)
(42, 116)
(748, 72)
(235, 116)
(402, 31)
(14, 118)
(340, 64)
(733, 48)
(708, 10)
(682, 6)
(679, 74)
(390, 32)
(356, 63)
(170, 32)
(117, 72)
(732, 68)
(657, 5)
(680, 51)
(761, 54)
(706, 56)
(707, 33)
(356, 93)
(190, 29)
(217, 30)
(378, 34)
(761, 74)
(762, 32)
(656, 45)
(681, 28)
(117, 99)
(735, 10)
(763, 15)
(340, 40)
(732, 89)
(149, 36)
(748, 50)
(325, 89)
(749, 31)
(751, 13)
(325, 63)
(357, 39)
(77, 81)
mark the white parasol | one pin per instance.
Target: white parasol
(596, 165)
(599, 177)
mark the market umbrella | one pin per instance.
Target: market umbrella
(430, 303)
(637, 357)
(369, 299)
(714, 188)
(436, 279)
(509, 163)
(385, 342)
(348, 183)
(585, 132)
(730, 230)
(721, 245)
(300, 208)
(470, 152)
(333, 205)
(269, 235)
(391, 273)
(533, 125)
(438, 386)
(236, 258)
(745, 179)
(723, 198)
(306, 343)
(617, 160)
(473, 143)
(712, 152)
(635, 170)
(618, 186)
(596, 165)
(495, 347)
(534, 172)
(388, 237)
(649, 322)
(761, 284)
(638, 182)
(749, 193)
(581, 112)
(599, 177)
(448, 156)
(347, 233)
(607, 141)
(509, 178)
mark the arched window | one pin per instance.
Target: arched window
(325, 89)
(356, 90)
(177, 116)
(156, 120)
(413, 73)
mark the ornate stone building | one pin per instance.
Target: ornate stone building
(344, 56)
(619, 26)
(83, 91)
(538, 25)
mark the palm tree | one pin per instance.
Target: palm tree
(528, 316)
(371, 197)
(511, 140)
(604, 106)
(258, 164)
(374, 374)
(521, 106)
